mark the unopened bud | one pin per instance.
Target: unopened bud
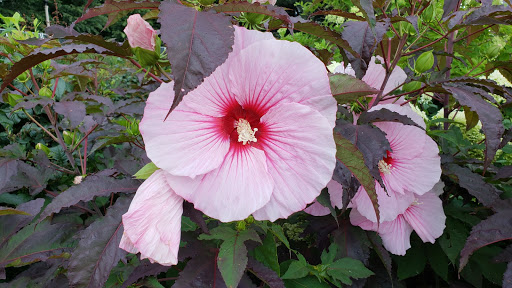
(424, 62)
(45, 92)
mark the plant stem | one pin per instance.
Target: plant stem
(39, 124)
(146, 71)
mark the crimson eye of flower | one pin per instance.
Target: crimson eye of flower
(385, 165)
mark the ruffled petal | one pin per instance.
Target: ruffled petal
(391, 204)
(317, 209)
(357, 219)
(300, 151)
(335, 190)
(152, 224)
(187, 143)
(426, 216)
(241, 185)
(281, 72)
(396, 235)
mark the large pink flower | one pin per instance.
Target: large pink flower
(140, 33)
(424, 214)
(254, 138)
(335, 191)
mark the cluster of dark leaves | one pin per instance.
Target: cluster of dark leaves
(55, 233)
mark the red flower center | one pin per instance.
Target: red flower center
(242, 124)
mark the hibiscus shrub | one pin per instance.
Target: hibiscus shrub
(264, 144)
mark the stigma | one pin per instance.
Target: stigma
(245, 132)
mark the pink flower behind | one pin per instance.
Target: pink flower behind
(424, 215)
(254, 138)
(140, 33)
(335, 191)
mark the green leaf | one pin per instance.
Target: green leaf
(328, 257)
(346, 88)
(279, 233)
(346, 268)
(187, 224)
(146, 171)
(296, 270)
(267, 253)
(453, 239)
(232, 258)
(306, 282)
(438, 260)
(348, 154)
(471, 118)
(412, 263)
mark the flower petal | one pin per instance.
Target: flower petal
(357, 219)
(152, 224)
(391, 204)
(140, 33)
(335, 190)
(300, 151)
(427, 217)
(187, 143)
(240, 186)
(317, 209)
(396, 235)
(281, 72)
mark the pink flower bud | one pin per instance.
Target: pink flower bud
(140, 33)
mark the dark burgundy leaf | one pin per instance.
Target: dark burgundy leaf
(195, 215)
(75, 68)
(349, 155)
(270, 10)
(366, 7)
(339, 13)
(12, 223)
(456, 18)
(57, 31)
(37, 242)
(487, 15)
(35, 179)
(371, 141)
(505, 256)
(507, 137)
(38, 56)
(489, 115)
(504, 172)
(143, 270)
(8, 168)
(486, 193)
(92, 186)
(265, 274)
(383, 254)
(449, 6)
(507, 277)
(35, 41)
(497, 227)
(409, 19)
(42, 274)
(385, 115)
(198, 43)
(74, 111)
(201, 271)
(31, 102)
(325, 33)
(346, 88)
(364, 40)
(350, 184)
(98, 250)
(351, 242)
(111, 6)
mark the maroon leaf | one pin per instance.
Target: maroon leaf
(35, 179)
(92, 186)
(325, 33)
(111, 6)
(371, 141)
(488, 15)
(74, 111)
(31, 102)
(491, 230)
(339, 13)
(363, 40)
(489, 115)
(265, 274)
(39, 56)
(201, 271)
(504, 172)
(98, 250)
(507, 277)
(198, 43)
(346, 88)
(143, 270)
(36, 242)
(351, 242)
(385, 115)
(12, 223)
(474, 183)
(270, 10)
(8, 168)
(449, 6)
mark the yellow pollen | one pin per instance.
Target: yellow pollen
(384, 167)
(416, 202)
(245, 132)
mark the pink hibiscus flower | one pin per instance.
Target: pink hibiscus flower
(424, 214)
(140, 33)
(254, 138)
